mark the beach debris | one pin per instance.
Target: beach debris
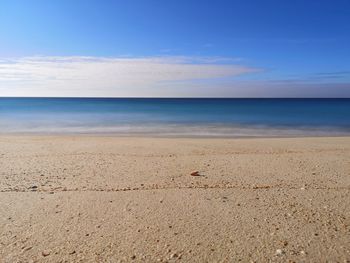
(195, 173)
(27, 248)
(279, 252)
(33, 187)
(45, 253)
(261, 186)
(174, 255)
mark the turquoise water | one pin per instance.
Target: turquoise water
(193, 117)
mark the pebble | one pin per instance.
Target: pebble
(174, 255)
(195, 173)
(45, 253)
(27, 248)
(279, 252)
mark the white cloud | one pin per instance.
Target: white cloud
(103, 77)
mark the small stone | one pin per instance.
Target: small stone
(279, 252)
(45, 253)
(33, 187)
(174, 255)
(195, 173)
(27, 248)
(133, 257)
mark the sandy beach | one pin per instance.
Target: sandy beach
(110, 199)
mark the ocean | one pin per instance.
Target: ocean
(209, 117)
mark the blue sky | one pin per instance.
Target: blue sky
(257, 48)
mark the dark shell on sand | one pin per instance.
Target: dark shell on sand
(195, 173)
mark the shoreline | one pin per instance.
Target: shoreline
(167, 136)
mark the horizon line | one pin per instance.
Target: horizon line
(89, 97)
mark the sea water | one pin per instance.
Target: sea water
(176, 116)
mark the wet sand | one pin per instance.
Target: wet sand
(109, 199)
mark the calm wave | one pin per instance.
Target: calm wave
(187, 117)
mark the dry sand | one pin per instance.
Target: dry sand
(108, 199)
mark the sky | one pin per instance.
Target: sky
(183, 48)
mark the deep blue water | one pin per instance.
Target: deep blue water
(228, 117)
